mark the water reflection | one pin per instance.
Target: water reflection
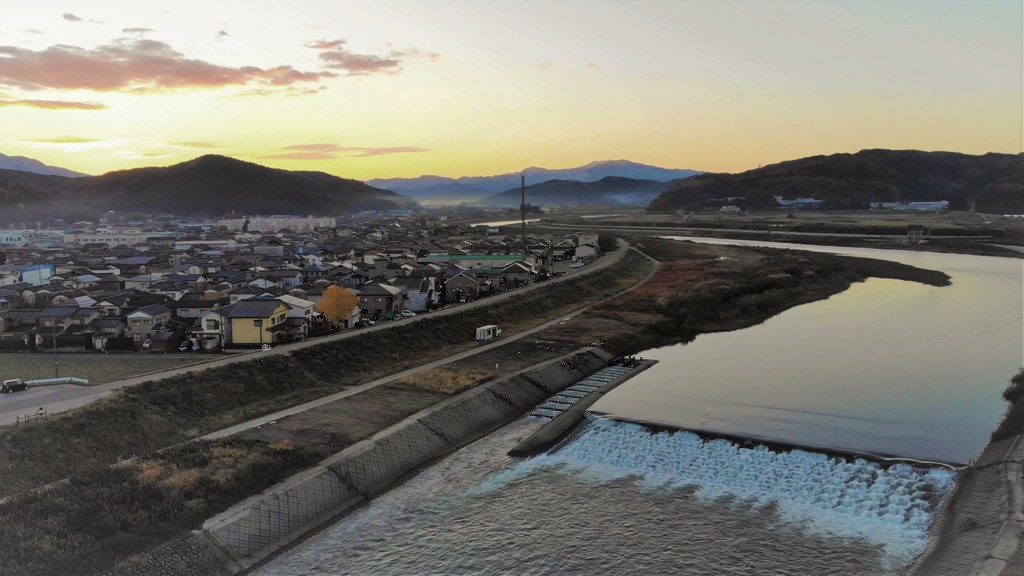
(886, 367)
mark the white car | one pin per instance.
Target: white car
(407, 313)
(577, 264)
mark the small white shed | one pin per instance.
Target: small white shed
(488, 332)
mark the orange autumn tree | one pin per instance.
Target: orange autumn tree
(337, 304)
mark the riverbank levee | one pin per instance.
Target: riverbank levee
(980, 531)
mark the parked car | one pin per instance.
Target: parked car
(15, 385)
(407, 313)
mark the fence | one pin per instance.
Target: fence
(40, 414)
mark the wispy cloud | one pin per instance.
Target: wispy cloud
(334, 151)
(71, 17)
(133, 155)
(137, 31)
(203, 145)
(54, 104)
(335, 56)
(63, 140)
(139, 65)
(72, 144)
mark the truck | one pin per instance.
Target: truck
(14, 385)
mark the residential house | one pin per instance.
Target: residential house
(257, 321)
(462, 287)
(586, 252)
(212, 329)
(142, 323)
(104, 328)
(420, 292)
(378, 300)
(301, 314)
(515, 275)
(55, 319)
(192, 305)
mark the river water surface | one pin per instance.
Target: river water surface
(886, 367)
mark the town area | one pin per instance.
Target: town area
(157, 285)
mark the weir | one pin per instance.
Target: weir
(888, 506)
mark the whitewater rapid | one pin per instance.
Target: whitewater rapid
(889, 507)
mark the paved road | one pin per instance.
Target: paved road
(54, 399)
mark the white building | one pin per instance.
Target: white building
(13, 237)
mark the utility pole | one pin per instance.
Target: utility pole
(522, 209)
(53, 329)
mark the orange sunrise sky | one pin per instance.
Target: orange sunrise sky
(473, 87)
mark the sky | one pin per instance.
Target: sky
(400, 88)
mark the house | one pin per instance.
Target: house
(378, 300)
(243, 293)
(515, 275)
(563, 250)
(586, 252)
(257, 321)
(420, 292)
(192, 305)
(56, 319)
(104, 328)
(462, 287)
(142, 323)
(142, 282)
(212, 329)
(302, 310)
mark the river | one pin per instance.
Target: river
(886, 367)
(917, 364)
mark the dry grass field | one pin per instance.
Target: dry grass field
(96, 368)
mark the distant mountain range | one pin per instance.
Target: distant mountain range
(608, 190)
(468, 188)
(993, 182)
(208, 185)
(35, 166)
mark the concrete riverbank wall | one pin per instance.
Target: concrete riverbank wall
(979, 532)
(267, 523)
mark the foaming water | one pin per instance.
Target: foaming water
(888, 507)
(616, 498)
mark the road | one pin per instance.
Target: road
(55, 399)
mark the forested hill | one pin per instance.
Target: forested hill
(208, 185)
(994, 182)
